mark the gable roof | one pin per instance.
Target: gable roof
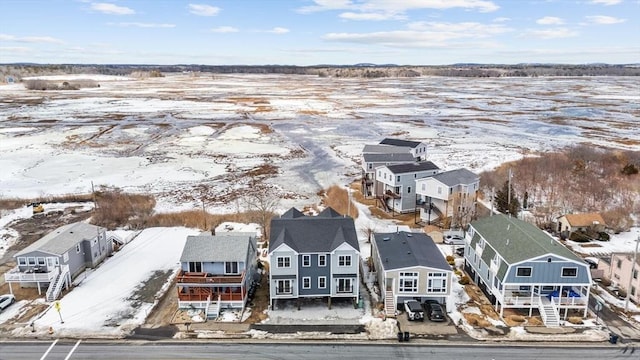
(400, 142)
(403, 249)
(292, 213)
(516, 240)
(313, 234)
(388, 157)
(63, 238)
(457, 177)
(217, 248)
(586, 219)
(412, 167)
(385, 149)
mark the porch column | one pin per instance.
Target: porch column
(10, 289)
(38, 284)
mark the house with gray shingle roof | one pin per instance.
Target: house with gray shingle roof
(417, 148)
(448, 195)
(313, 256)
(520, 266)
(395, 185)
(216, 271)
(409, 266)
(58, 257)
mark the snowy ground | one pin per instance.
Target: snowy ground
(169, 136)
(623, 242)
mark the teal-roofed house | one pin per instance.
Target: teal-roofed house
(520, 266)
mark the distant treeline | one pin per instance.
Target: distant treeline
(14, 72)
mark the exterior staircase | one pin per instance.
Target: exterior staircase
(549, 313)
(213, 309)
(389, 304)
(60, 282)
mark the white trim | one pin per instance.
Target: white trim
(325, 282)
(524, 267)
(283, 262)
(568, 276)
(306, 278)
(324, 256)
(308, 257)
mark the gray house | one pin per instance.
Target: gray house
(217, 271)
(519, 266)
(409, 266)
(313, 256)
(58, 257)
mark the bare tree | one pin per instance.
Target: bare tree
(263, 201)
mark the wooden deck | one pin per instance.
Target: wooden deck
(206, 278)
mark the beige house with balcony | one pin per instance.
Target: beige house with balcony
(619, 269)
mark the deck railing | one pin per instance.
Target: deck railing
(206, 278)
(15, 275)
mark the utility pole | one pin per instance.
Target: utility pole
(509, 194)
(633, 266)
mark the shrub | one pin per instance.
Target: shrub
(575, 320)
(451, 260)
(579, 236)
(603, 236)
(464, 280)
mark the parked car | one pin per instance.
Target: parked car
(414, 310)
(6, 300)
(460, 251)
(435, 312)
(452, 239)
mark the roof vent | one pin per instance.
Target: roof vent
(508, 227)
(386, 238)
(507, 242)
(409, 235)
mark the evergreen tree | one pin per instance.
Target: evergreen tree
(501, 200)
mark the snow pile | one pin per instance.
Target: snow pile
(380, 329)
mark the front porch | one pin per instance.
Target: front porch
(554, 298)
(198, 290)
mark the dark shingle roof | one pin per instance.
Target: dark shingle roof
(412, 167)
(400, 142)
(292, 213)
(63, 238)
(404, 249)
(456, 177)
(217, 248)
(311, 234)
(517, 240)
(392, 157)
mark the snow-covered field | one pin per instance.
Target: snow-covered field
(178, 135)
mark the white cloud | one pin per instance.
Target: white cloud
(501, 19)
(224, 29)
(203, 10)
(397, 6)
(553, 33)
(112, 9)
(550, 20)
(604, 20)
(142, 25)
(14, 49)
(426, 35)
(31, 39)
(278, 30)
(606, 2)
(375, 16)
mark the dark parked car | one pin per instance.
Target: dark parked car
(460, 251)
(414, 310)
(435, 312)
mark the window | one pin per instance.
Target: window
(523, 271)
(570, 272)
(195, 267)
(344, 286)
(322, 282)
(283, 261)
(619, 264)
(408, 189)
(32, 261)
(78, 248)
(548, 288)
(344, 260)
(306, 260)
(408, 282)
(306, 282)
(633, 291)
(22, 261)
(231, 267)
(398, 178)
(370, 166)
(41, 261)
(437, 282)
(397, 189)
(322, 260)
(635, 274)
(283, 287)
(439, 190)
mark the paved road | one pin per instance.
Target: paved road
(615, 324)
(303, 351)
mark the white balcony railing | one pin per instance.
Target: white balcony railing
(15, 275)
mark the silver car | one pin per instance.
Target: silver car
(6, 300)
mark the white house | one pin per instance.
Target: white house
(450, 194)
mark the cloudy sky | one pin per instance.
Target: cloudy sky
(308, 32)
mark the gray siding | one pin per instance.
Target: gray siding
(313, 272)
(548, 273)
